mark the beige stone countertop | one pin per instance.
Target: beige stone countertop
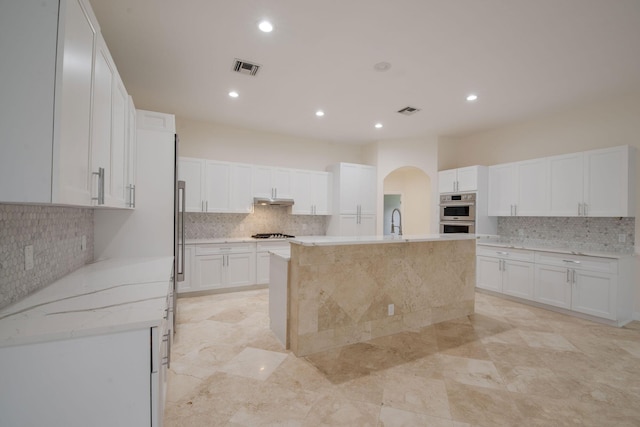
(364, 240)
(556, 249)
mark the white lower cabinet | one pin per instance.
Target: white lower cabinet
(506, 271)
(596, 286)
(223, 266)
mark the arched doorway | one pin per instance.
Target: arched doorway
(409, 189)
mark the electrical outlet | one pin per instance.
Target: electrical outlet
(622, 238)
(28, 257)
(83, 243)
(391, 309)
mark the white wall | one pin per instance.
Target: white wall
(605, 123)
(390, 155)
(221, 142)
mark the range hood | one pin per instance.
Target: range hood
(272, 202)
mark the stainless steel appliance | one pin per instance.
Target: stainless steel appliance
(458, 213)
(272, 236)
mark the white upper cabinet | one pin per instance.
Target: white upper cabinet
(46, 96)
(566, 184)
(532, 188)
(310, 192)
(213, 186)
(65, 111)
(191, 171)
(502, 189)
(354, 189)
(591, 183)
(458, 180)
(609, 177)
(132, 149)
(272, 182)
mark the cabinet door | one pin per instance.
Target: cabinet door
(282, 183)
(241, 197)
(367, 190)
(467, 179)
(209, 271)
(132, 149)
(518, 279)
(447, 181)
(302, 193)
(319, 191)
(502, 189)
(367, 226)
(606, 183)
(192, 172)
(240, 269)
(217, 196)
(565, 184)
(119, 131)
(594, 293)
(533, 194)
(72, 171)
(349, 188)
(348, 225)
(552, 286)
(489, 273)
(101, 117)
(262, 186)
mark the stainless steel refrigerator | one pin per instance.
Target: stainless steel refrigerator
(155, 226)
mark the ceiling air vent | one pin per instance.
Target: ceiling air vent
(245, 67)
(407, 111)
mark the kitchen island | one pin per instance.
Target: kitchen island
(343, 290)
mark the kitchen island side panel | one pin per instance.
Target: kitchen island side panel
(341, 294)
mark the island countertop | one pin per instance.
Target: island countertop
(361, 240)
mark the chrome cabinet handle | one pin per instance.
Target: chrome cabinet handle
(568, 272)
(166, 361)
(100, 198)
(573, 261)
(502, 253)
(586, 209)
(573, 276)
(133, 203)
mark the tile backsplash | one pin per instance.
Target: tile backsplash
(589, 234)
(56, 235)
(264, 219)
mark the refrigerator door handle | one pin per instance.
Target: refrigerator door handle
(182, 190)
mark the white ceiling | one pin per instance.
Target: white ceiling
(522, 58)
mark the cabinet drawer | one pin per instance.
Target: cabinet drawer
(578, 262)
(506, 253)
(224, 248)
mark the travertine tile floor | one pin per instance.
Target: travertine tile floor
(507, 365)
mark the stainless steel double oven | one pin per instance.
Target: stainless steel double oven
(458, 213)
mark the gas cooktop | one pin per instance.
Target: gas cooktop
(272, 236)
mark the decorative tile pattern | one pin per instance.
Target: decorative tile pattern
(587, 234)
(340, 294)
(264, 219)
(522, 373)
(56, 235)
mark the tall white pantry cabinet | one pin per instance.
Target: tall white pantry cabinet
(65, 115)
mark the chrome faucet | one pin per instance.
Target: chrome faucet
(393, 227)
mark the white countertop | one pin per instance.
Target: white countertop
(107, 296)
(360, 240)
(556, 249)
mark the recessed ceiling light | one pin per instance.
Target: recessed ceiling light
(233, 94)
(265, 26)
(382, 66)
(378, 125)
(472, 97)
(319, 113)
